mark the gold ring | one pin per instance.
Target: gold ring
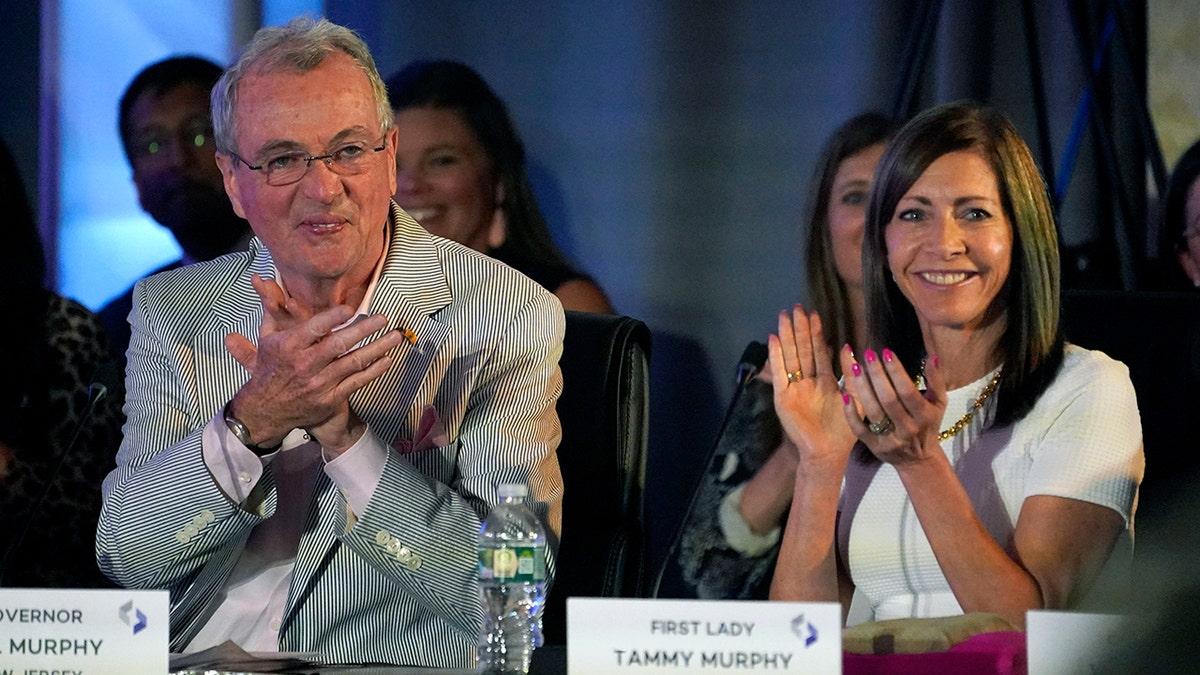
(795, 375)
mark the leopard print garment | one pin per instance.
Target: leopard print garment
(702, 564)
(58, 549)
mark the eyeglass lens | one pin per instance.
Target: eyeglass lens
(290, 167)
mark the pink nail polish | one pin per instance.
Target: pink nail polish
(849, 349)
(888, 355)
(845, 398)
(856, 369)
(935, 361)
(870, 355)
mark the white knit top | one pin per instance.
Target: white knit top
(1082, 440)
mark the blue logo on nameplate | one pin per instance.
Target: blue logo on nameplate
(805, 630)
(138, 621)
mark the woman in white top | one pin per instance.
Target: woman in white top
(972, 462)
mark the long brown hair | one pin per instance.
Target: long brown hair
(828, 292)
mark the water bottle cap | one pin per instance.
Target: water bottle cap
(512, 490)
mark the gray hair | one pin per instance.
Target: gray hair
(300, 44)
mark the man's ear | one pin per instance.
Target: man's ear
(392, 137)
(229, 177)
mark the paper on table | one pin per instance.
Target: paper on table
(227, 656)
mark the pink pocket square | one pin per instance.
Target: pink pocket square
(430, 434)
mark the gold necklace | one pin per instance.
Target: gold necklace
(976, 406)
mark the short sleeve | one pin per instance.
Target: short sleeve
(1091, 449)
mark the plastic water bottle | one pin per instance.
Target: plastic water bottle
(512, 583)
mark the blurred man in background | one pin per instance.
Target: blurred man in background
(166, 130)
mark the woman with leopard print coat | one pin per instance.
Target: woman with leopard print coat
(55, 348)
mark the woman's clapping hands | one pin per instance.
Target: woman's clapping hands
(807, 398)
(879, 404)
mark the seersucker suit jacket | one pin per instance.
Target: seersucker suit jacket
(396, 584)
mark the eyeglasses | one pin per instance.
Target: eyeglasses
(289, 167)
(152, 143)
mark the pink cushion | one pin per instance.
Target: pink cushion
(1001, 653)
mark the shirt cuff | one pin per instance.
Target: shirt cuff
(357, 471)
(737, 533)
(233, 466)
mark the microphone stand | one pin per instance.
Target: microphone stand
(753, 359)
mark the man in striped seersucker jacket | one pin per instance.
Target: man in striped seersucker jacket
(316, 426)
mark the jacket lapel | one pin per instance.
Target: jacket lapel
(325, 520)
(411, 289)
(237, 310)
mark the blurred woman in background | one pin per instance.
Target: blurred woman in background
(1180, 221)
(460, 172)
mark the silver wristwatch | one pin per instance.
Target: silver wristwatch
(240, 432)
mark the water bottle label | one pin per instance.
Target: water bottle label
(517, 563)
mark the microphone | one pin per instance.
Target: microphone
(668, 579)
(752, 361)
(105, 378)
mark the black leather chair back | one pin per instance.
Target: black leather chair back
(1157, 335)
(603, 410)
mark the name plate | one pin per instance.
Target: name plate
(617, 635)
(1070, 643)
(83, 632)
